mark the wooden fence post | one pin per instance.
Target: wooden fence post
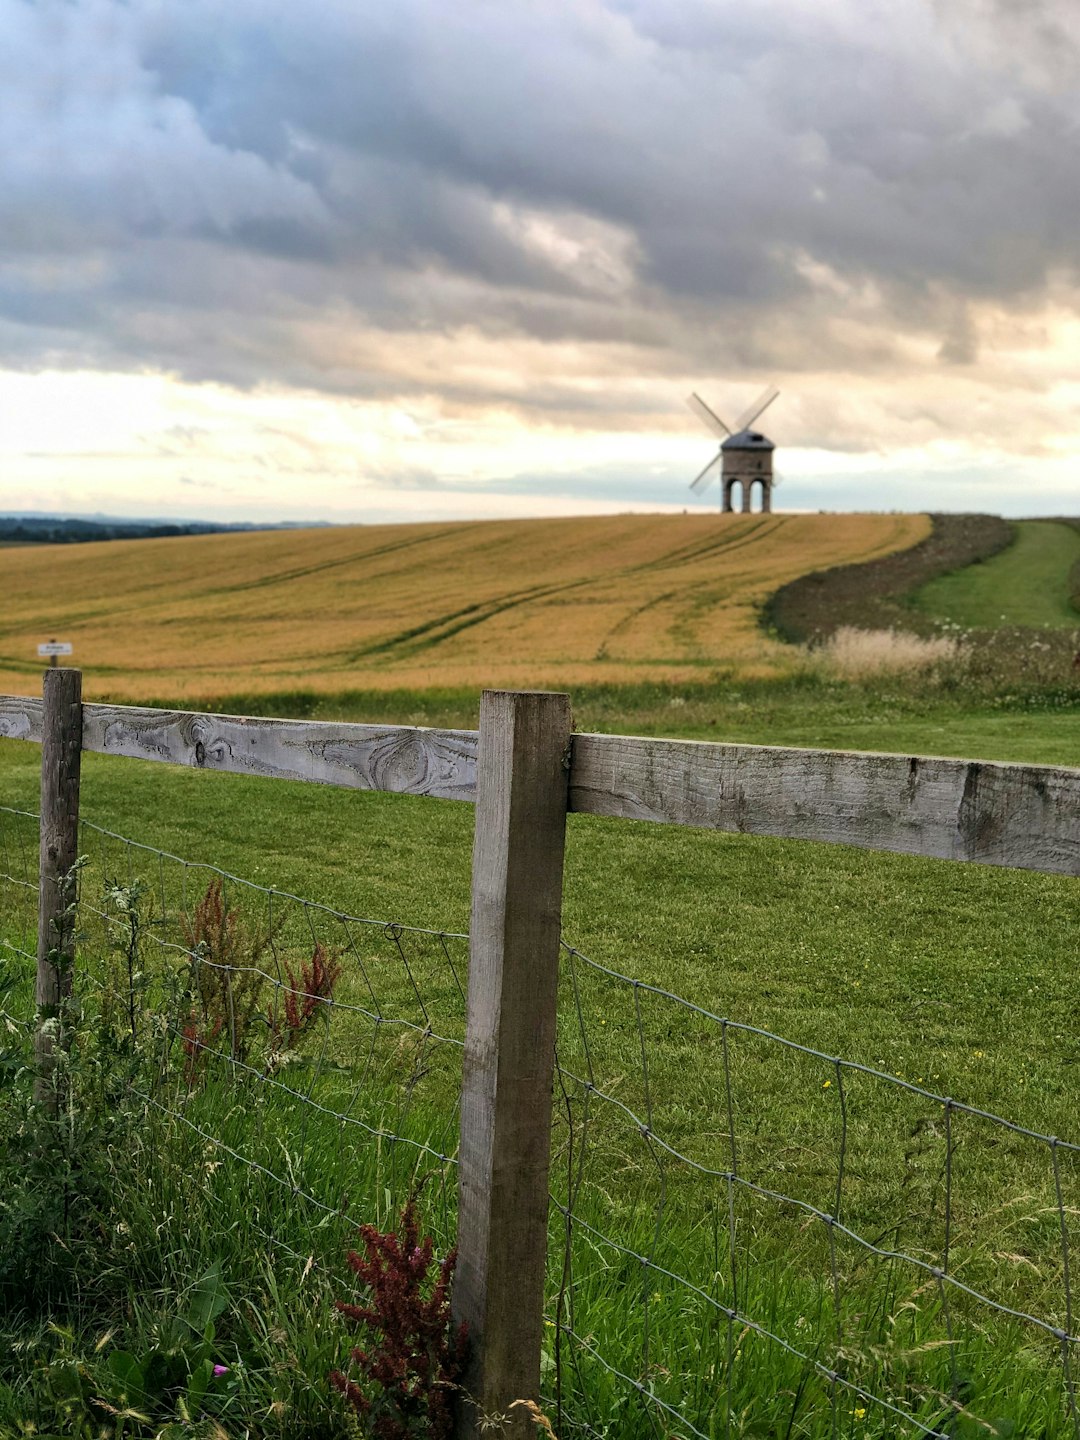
(522, 773)
(61, 753)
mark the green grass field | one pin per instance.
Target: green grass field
(1027, 584)
(930, 971)
(698, 910)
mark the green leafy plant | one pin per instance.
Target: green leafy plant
(127, 905)
(56, 1017)
(303, 1000)
(49, 1138)
(13, 1029)
(177, 1377)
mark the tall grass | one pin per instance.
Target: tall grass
(853, 654)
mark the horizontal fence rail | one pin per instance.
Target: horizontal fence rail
(1025, 816)
(401, 758)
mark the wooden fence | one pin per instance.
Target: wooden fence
(525, 770)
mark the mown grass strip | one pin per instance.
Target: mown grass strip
(1026, 584)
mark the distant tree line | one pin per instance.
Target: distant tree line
(48, 530)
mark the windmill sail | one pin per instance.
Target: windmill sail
(760, 405)
(704, 479)
(711, 419)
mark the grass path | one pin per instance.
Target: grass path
(1023, 585)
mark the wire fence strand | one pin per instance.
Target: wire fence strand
(315, 1050)
(18, 882)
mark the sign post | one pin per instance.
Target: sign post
(53, 648)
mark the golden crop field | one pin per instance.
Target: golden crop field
(508, 603)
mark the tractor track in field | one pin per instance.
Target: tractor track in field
(430, 633)
(628, 619)
(421, 637)
(285, 576)
(685, 556)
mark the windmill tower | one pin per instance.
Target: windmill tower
(745, 456)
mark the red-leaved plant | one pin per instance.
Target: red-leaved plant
(225, 981)
(303, 997)
(408, 1375)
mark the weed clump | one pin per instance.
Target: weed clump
(227, 986)
(226, 979)
(304, 995)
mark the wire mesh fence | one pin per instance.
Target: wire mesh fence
(311, 1057)
(748, 1236)
(758, 1236)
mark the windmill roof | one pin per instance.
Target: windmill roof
(748, 440)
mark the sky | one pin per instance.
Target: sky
(373, 260)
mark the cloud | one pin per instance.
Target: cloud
(560, 209)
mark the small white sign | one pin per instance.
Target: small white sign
(55, 647)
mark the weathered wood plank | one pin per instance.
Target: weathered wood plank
(401, 758)
(60, 766)
(1027, 816)
(20, 718)
(509, 1053)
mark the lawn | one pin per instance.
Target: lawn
(928, 971)
(694, 909)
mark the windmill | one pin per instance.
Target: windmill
(745, 456)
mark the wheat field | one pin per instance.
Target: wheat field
(507, 603)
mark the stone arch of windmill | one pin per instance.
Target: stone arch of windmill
(745, 456)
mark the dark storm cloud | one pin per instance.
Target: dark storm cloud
(231, 191)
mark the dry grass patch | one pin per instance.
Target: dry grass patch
(853, 654)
